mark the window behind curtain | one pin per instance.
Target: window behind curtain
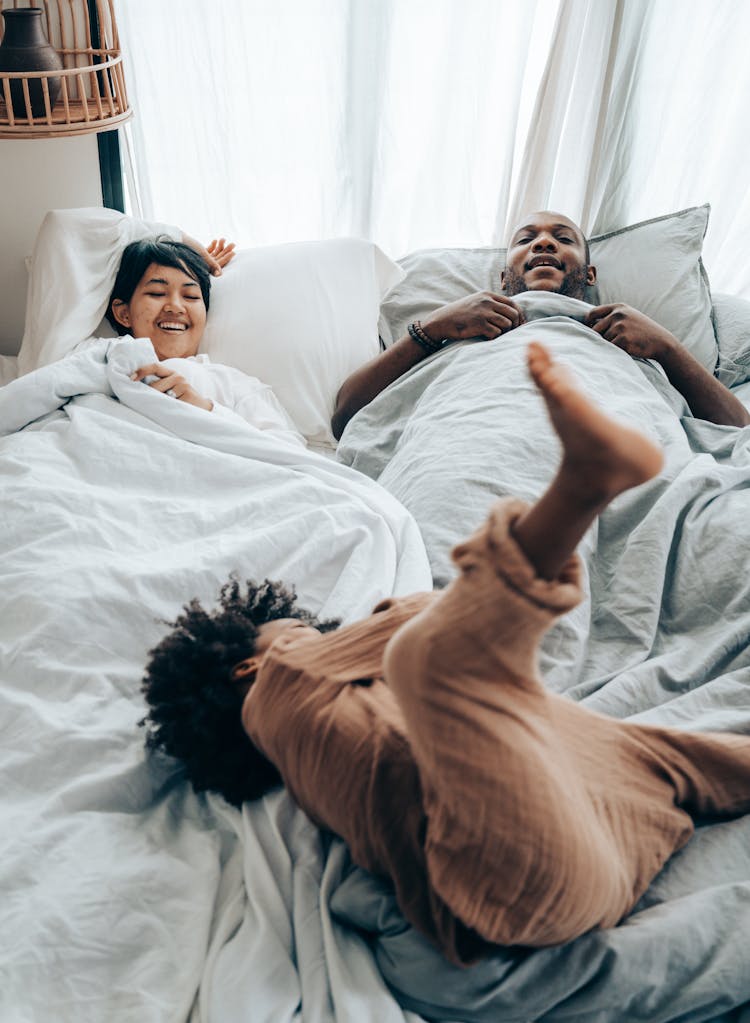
(413, 122)
(279, 120)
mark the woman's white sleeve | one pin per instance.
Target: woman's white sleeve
(256, 403)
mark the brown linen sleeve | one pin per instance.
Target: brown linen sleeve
(325, 733)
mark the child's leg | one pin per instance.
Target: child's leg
(709, 772)
(601, 459)
(513, 847)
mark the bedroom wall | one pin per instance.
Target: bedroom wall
(36, 175)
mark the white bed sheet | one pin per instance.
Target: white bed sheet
(124, 896)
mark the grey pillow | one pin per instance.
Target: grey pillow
(655, 266)
(732, 318)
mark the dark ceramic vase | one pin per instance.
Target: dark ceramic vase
(26, 48)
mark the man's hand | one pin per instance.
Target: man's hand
(640, 337)
(483, 315)
(634, 332)
(172, 384)
(216, 256)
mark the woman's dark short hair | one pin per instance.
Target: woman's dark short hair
(195, 705)
(138, 257)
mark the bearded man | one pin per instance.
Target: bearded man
(547, 252)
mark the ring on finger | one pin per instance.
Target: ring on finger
(171, 392)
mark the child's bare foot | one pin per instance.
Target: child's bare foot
(601, 457)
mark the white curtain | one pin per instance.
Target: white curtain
(279, 120)
(644, 109)
(439, 122)
(581, 121)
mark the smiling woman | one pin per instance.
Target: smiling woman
(162, 293)
(168, 307)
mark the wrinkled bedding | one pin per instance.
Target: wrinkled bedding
(662, 637)
(124, 896)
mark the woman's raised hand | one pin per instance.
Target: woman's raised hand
(216, 256)
(221, 250)
(172, 385)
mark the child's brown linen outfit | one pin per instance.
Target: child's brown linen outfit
(503, 813)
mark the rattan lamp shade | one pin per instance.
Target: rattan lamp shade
(91, 95)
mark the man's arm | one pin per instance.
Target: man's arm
(641, 337)
(483, 316)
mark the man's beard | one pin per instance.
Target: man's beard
(573, 283)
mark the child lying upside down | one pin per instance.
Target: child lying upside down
(423, 736)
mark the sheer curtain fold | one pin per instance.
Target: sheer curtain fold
(395, 120)
(422, 123)
(580, 119)
(641, 111)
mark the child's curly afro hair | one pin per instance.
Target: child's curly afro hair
(194, 704)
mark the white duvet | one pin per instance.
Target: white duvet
(123, 896)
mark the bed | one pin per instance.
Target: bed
(127, 897)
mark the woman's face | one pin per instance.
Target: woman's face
(167, 306)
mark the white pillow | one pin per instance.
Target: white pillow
(301, 317)
(655, 266)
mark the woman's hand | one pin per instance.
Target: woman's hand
(172, 384)
(216, 256)
(221, 250)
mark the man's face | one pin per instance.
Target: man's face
(547, 252)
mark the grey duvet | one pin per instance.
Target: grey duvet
(663, 637)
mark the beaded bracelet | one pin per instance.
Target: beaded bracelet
(416, 333)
